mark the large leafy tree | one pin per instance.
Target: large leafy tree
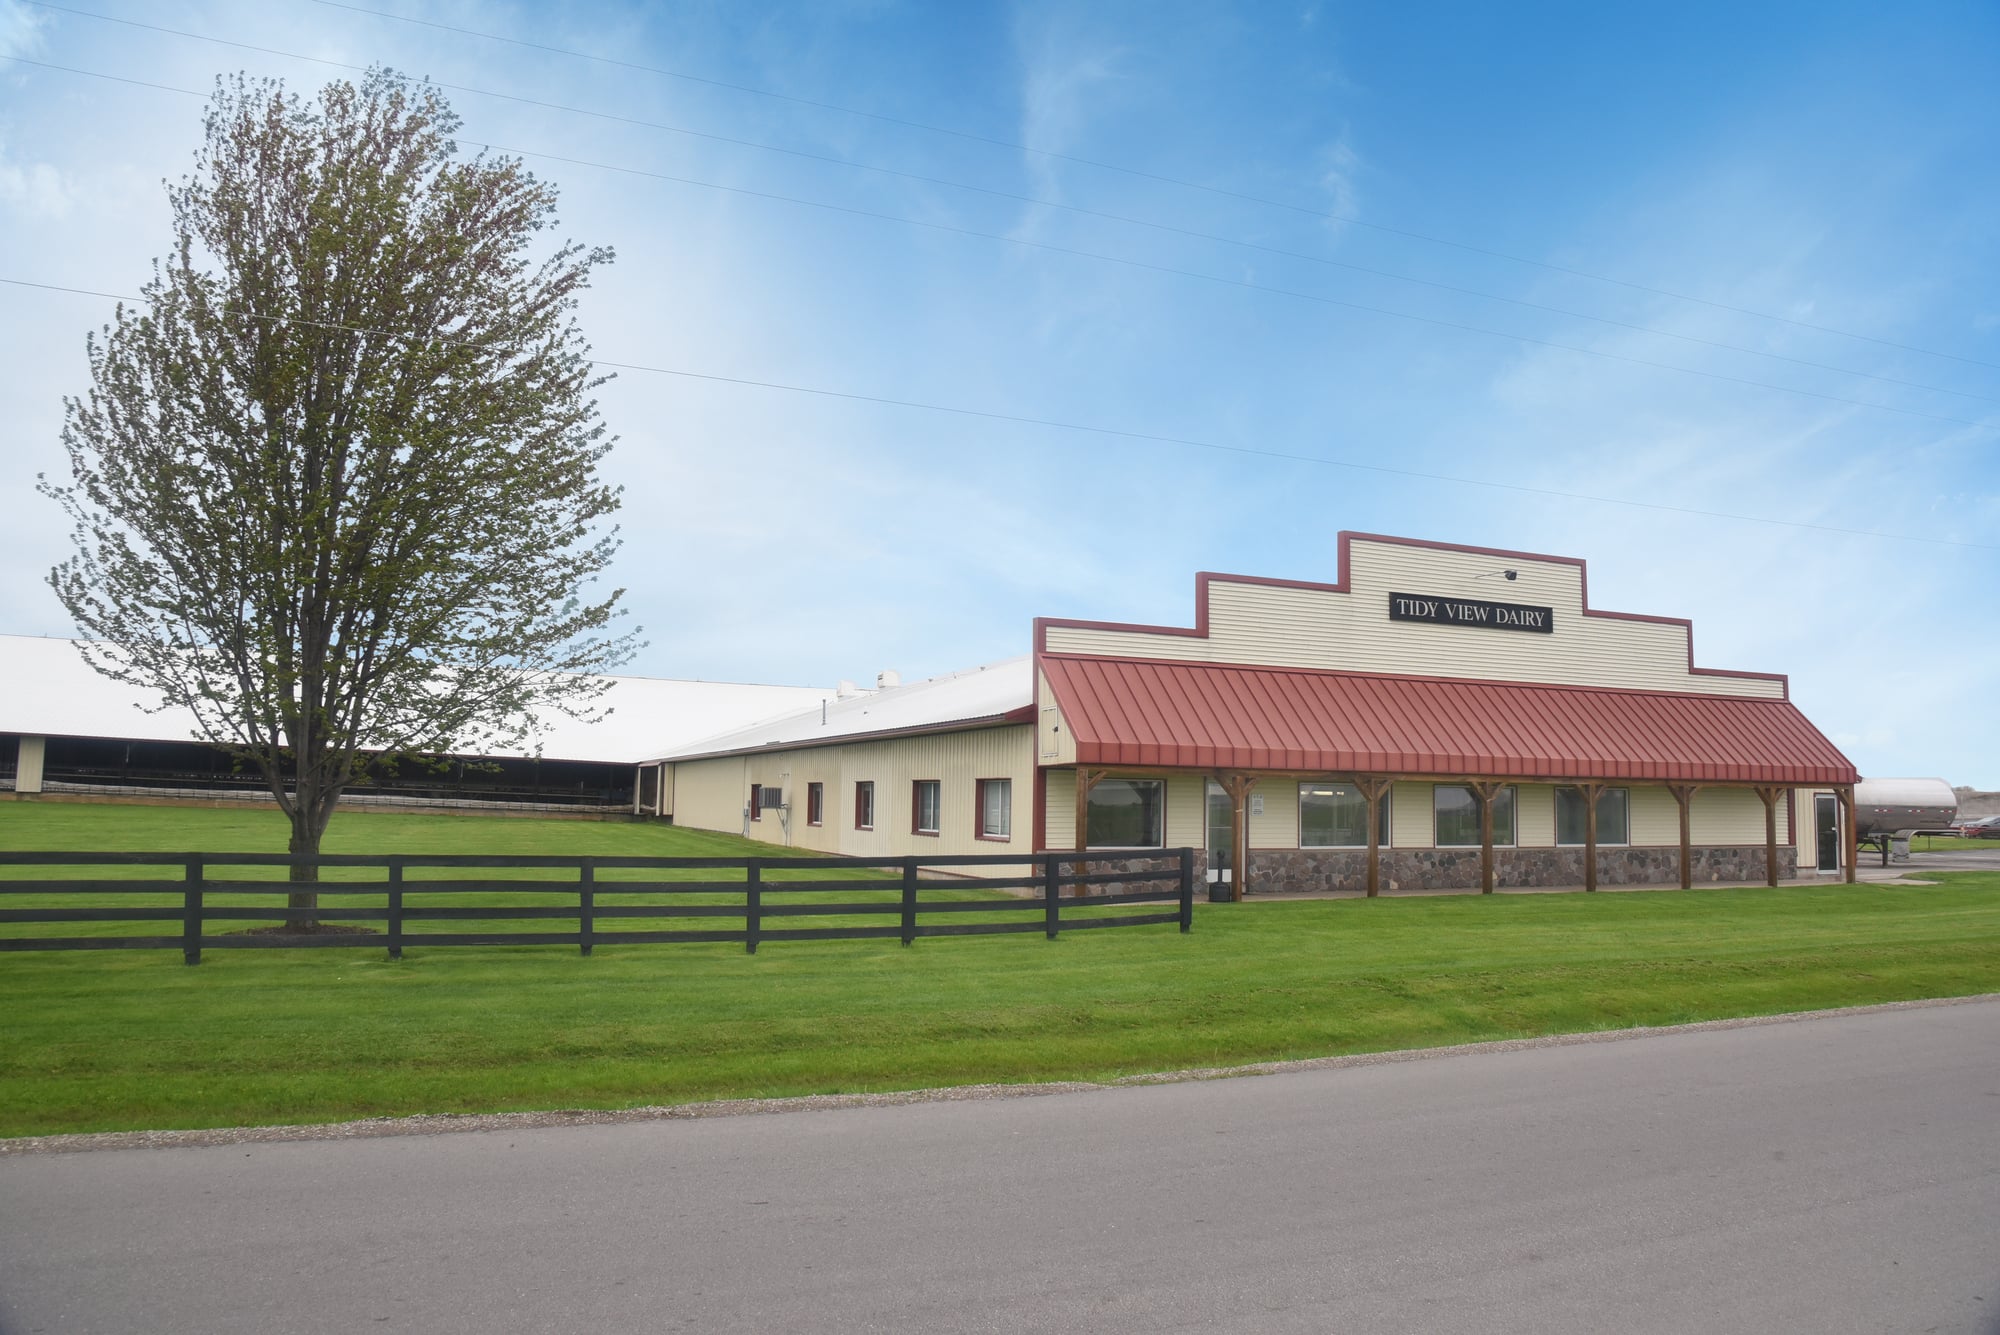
(334, 483)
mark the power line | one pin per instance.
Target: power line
(1148, 266)
(1034, 200)
(1119, 433)
(1140, 174)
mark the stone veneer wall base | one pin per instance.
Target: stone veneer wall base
(1324, 870)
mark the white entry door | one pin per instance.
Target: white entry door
(1221, 835)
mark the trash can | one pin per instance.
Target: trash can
(1220, 891)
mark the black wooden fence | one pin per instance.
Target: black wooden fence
(744, 898)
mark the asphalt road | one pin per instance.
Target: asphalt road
(1831, 1175)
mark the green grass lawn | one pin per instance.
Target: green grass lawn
(1947, 843)
(127, 1039)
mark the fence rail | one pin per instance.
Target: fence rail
(755, 899)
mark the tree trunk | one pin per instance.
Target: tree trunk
(305, 839)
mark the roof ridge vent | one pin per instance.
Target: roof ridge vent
(887, 678)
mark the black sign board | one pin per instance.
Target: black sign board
(1444, 611)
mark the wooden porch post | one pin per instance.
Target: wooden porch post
(1850, 844)
(1238, 787)
(1086, 779)
(1372, 787)
(1684, 795)
(1591, 792)
(1770, 796)
(1486, 793)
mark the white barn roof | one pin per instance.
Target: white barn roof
(47, 690)
(986, 694)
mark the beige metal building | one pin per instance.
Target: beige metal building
(1437, 716)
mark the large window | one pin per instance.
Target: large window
(1614, 816)
(1335, 815)
(926, 805)
(864, 804)
(815, 803)
(1457, 811)
(996, 808)
(1127, 813)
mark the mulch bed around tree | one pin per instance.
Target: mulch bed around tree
(314, 929)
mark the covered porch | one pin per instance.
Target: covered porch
(1481, 749)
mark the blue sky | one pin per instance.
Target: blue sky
(1833, 166)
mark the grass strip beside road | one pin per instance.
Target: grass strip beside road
(1948, 843)
(123, 1040)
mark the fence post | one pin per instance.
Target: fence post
(191, 914)
(1187, 889)
(753, 904)
(395, 908)
(909, 900)
(586, 904)
(1051, 894)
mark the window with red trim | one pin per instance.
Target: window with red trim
(926, 805)
(994, 809)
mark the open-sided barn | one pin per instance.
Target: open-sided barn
(65, 729)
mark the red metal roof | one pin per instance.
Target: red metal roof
(1206, 716)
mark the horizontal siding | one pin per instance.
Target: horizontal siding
(1187, 814)
(1721, 816)
(1727, 816)
(1656, 817)
(1535, 816)
(1315, 628)
(1410, 815)
(1054, 742)
(1187, 811)
(1278, 825)
(1061, 827)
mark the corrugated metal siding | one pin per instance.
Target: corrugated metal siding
(709, 794)
(1351, 632)
(1194, 715)
(713, 793)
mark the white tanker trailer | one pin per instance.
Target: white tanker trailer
(1888, 811)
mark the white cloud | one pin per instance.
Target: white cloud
(20, 29)
(38, 189)
(1339, 166)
